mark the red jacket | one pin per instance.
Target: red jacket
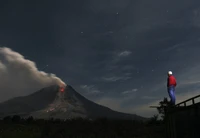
(171, 81)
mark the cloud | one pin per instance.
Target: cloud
(173, 47)
(20, 76)
(90, 89)
(128, 67)
(105, 6)
(122, 68)
(124, 53)
(148, 97)
(113, 78)
(130, 91)
(116, 104)
(119, 60)
(116, 78)
(195, 18)
(112, 103)
(190, 82)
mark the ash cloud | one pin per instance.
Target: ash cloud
(20, 76)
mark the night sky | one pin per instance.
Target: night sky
(114, 52)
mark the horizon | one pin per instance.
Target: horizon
(115, 53)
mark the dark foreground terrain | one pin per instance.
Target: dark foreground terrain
(15, 127)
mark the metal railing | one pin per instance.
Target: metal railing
(191, 99)
(176, 119)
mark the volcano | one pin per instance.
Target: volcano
(62, 103)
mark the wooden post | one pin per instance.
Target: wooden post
(193, 101)
(173, 125)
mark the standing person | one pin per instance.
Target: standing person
(171, 84)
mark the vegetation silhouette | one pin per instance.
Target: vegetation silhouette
(15, 126)
(183, 122)
(164, 105)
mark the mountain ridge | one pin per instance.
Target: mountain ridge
(50, 102)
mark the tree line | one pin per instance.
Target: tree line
(16, 126)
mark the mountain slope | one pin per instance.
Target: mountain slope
(30, 103)
(52, 102)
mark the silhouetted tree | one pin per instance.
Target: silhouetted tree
(16, 119)
(7, 119)
(29, 119)
(51, 120)
(154, 119)
(46, 132)
(57, 121)
(162, 109)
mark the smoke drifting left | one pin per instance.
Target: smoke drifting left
(20, 76)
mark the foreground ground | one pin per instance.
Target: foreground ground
(102, 128)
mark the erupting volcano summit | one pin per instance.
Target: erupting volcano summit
(61, 102)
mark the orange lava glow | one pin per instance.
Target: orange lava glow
(62, 89)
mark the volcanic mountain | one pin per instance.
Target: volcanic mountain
(59, 102)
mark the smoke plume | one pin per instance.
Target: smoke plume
(19, 76)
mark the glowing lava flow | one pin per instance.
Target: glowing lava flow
(62, 89)
(59, 100)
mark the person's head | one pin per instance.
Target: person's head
(169, 73)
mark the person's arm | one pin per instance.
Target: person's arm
(168, 82)
(175, 82)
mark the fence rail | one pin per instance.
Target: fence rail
(191, 99)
